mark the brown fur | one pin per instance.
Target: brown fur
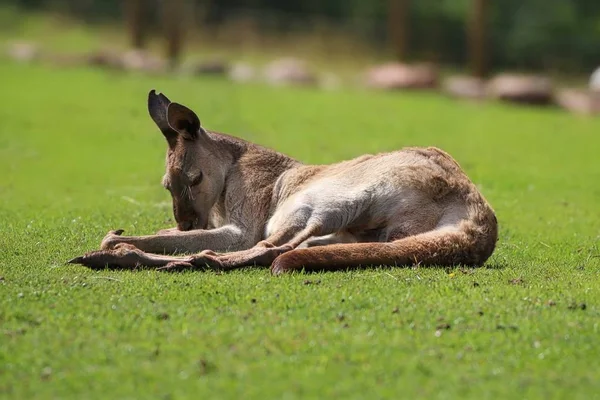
(260, 207)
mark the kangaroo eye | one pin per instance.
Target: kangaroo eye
(197, 180)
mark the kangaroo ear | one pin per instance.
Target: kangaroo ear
(183, 121)
(157, 107)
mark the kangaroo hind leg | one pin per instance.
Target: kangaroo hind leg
(267, 250)
(288, 229)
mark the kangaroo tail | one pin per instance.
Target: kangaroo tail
(444, 247)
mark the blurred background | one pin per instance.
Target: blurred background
(526, 51)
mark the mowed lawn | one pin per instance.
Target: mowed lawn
(80, 156)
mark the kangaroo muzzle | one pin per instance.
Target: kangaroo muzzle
(185, 215)
(185, 225)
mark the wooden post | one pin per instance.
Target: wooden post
(134, 15)
(173, 24)
(398, 17)
(477, 38)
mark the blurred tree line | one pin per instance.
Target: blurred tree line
(562, 35)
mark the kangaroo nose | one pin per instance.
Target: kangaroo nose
(185, 225)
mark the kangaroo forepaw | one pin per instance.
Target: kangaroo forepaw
(111, 240)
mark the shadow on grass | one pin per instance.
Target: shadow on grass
(197, 268)
(386, 268)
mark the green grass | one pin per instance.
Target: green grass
(80, 156)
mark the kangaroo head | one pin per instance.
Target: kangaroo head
(196, 164)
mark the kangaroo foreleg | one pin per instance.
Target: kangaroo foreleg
(168, 231)
(226, 238)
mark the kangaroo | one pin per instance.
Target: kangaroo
(239, 204)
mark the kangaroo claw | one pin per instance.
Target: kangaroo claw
(76, 260)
